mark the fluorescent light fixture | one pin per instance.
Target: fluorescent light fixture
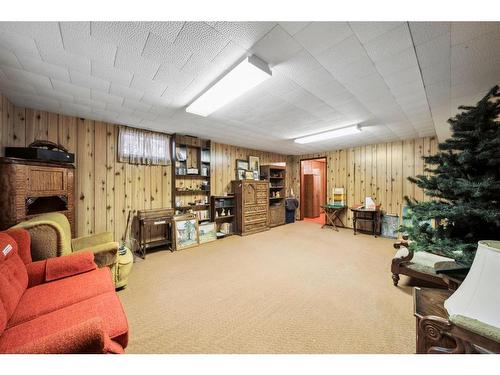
(340, 132)
(245, 76)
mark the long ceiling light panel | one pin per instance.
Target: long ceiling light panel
(349, 130)
(245, 76)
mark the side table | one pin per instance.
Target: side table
(437, 335)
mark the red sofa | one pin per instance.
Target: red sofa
(57, 305)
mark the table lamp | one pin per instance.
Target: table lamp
(478, 296)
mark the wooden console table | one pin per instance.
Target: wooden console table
(366, 215)
(437, 335)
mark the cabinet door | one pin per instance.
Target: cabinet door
(249, 195)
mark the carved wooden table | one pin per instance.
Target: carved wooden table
(437, 335)
(151, 218)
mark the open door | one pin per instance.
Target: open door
(312, 189)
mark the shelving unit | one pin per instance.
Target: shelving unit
(191, 175)
(276, 177)
(227, 203)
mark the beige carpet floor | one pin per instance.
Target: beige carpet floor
(294, 289)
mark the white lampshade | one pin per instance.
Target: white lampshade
(478, 297)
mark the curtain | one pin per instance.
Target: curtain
(138, 146)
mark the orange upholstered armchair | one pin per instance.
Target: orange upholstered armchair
(56, 305)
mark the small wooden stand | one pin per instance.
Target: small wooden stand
(152, 218)
(332, 214)
(365, 215)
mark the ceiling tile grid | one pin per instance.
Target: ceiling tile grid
(397, 79)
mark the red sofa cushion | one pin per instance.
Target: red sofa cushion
(106, 306)
(69, 265)
(48, 297)
(13, 278)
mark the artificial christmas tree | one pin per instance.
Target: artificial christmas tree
(464, 186)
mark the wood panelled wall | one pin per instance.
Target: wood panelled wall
(106, 190)
(379, 171)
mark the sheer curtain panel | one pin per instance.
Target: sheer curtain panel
(138, 146)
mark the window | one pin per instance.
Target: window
(143, 147)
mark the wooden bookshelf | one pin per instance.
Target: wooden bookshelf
(276, 177)
(191, 175)
(218, 203)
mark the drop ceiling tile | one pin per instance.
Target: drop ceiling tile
(119, 109)
(77, 40)
(125, 92)
(293, 27)
(121, 33)
(320, 36)
(19, 43)
(27, 77)
(136, 105)
(90, 103)
(110, 73)
(65, 59)
(54, 94)
(423, 32)
(71, 89)
(356, 69)
(479, 49)
(132, 61)
(105, 97)
(148, 116)
(401, 61)
(436, 73)
(277, 46)
(245, 34)
(462, 32)
(366, 31)
(35, 65)
(14, 85)
(200, 38)
(403, 77)
(148, 86)
(161, 51)
(85, 80)
(390, 43)
(7, 58)
(433, 52)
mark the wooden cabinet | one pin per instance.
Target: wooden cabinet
(312, 191)
(29, 188)
(275, 175)
(251, 206)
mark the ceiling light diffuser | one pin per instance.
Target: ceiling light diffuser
(329, 134)
(245, 76)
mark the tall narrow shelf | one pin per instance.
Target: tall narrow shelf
(276, 177)
(223, 213)
(191, 175)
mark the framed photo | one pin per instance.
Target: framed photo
(185, 229)
(390, 225)
(242, 164)
(248, 175)
(207, 232)
(253, 163)
(256, 175)
(240, 174)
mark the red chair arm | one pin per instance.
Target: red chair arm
(87, 337)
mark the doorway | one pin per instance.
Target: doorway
(312, 189)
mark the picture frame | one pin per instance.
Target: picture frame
(256, 175)
(390, 226)
(207, 232)
(253, 163)
(242, 164)
(185, 231)
(240, 174)
(248, 175)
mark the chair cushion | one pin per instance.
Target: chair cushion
(106, 306)
(422, 258)
(13, 278)
(48, 297)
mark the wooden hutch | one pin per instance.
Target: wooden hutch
(191, 175)
(276, 178)
(29, 188)
(252, 206)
